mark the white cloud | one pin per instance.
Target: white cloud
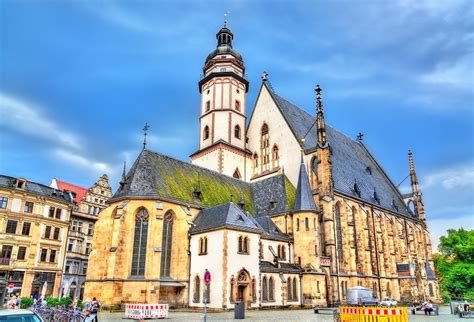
(438, 227)
(79, 160)
(27, 118)
(113, 13)
(452, 178)
(457, 74)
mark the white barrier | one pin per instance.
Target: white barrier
(146, 311)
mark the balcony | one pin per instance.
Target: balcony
(5, 261)
(76, 234)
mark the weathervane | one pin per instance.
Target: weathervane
(145, 130)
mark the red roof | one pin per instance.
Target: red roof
(79, 191)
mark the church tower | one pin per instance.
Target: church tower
(223, 88)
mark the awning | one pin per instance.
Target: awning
(171, 283)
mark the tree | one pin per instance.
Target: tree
(455, 264)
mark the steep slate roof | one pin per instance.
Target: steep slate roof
(36, 188)
(276, 190)
(304, 197)
(224, 216)
(270, 230)
(154, 175)
(350, 160)
(79, 191)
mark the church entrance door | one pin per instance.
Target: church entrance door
(243, 291)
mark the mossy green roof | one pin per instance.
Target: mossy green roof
(154, 175)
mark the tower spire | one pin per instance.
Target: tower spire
(321, 126)
(304, 197)
(414, 180)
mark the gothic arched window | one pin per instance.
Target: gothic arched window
(140, 242)
(237, 132)
(255, 163)
(430, 290)
(275, 156)
(288, 289)
(271, 293)
(205, 133)
(339, 235)
(306, 223)
(246, 245)
(237, 105)
(264, 289)
(237, 174)
(265, 147)
(166, 244)
(295, 295)
(241, 247)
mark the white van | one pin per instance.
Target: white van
(359, 295)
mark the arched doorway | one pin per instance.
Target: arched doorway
(243, 287)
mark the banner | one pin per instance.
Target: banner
(146, 311)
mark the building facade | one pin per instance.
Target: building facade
(282, 210)
(34, 221)
(88, 203)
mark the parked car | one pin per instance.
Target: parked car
(359, 295)
(17, 315)
(388, 302)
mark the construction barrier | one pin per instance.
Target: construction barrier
(146, 311)
(373, 314)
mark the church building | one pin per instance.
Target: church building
(282, 210)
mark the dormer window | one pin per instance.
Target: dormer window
(376, 197)
(394, 205)
(272, 204)
(20, 184)
(357, 189)
(369, 170)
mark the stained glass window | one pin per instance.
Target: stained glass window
(139, 243)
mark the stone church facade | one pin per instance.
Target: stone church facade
(283, 210)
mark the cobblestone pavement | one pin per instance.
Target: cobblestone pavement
(273, 315)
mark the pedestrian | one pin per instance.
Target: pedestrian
(466, 306)
(87, 304)
(428, 307)
(95, 308)
(89, 316)
(18, 301)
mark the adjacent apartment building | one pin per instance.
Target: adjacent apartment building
(34, 221)
(87, 205)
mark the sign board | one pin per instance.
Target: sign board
(146, 311)
(325, 261)
(207, 277)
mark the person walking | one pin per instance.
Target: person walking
(95, 308)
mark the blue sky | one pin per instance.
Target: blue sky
(78, 79)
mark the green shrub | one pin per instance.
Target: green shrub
(65, 301)
(26, 302)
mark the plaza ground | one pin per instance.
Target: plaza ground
(273, 315)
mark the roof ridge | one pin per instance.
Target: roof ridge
(71, 184)
(197, 166)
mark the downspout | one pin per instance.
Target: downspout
(301, 290)
(337, 256)
(376, 252)
(189, 268)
